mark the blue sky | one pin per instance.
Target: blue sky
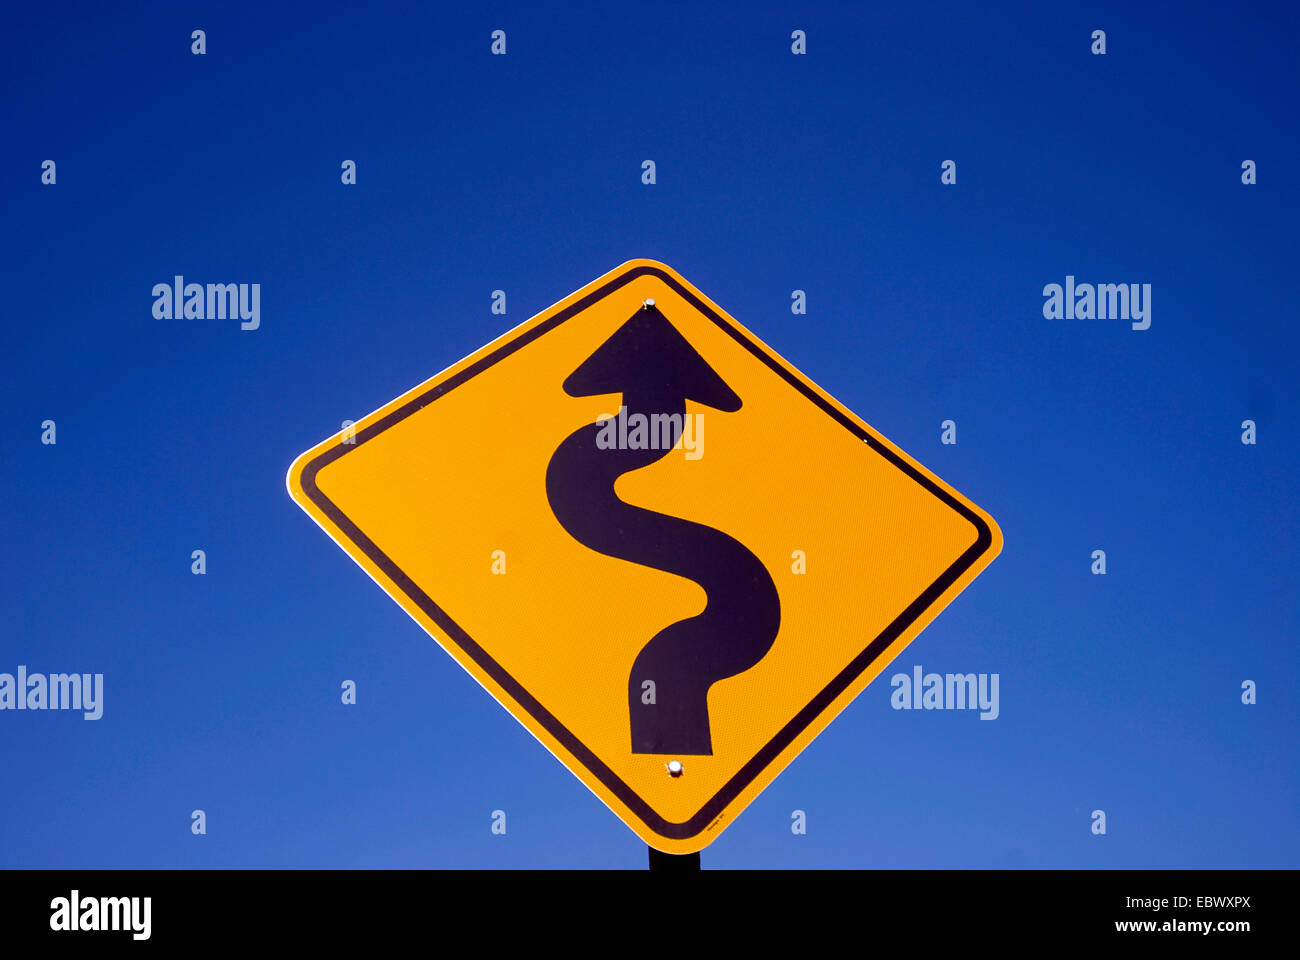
(775, 172)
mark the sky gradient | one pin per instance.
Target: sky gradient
(775, 172)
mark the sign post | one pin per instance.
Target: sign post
(674, 862)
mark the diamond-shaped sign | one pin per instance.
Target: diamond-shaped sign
(667, 552)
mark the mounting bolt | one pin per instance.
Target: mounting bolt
(647, 303)
(674, 768)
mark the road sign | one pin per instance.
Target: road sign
(668, 553)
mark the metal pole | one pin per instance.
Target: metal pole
(673, 862)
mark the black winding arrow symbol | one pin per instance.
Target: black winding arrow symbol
(657, 371)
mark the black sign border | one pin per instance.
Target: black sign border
(787, 734)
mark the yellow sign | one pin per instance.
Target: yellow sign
(667, 552)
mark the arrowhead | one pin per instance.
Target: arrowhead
(653, 366)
